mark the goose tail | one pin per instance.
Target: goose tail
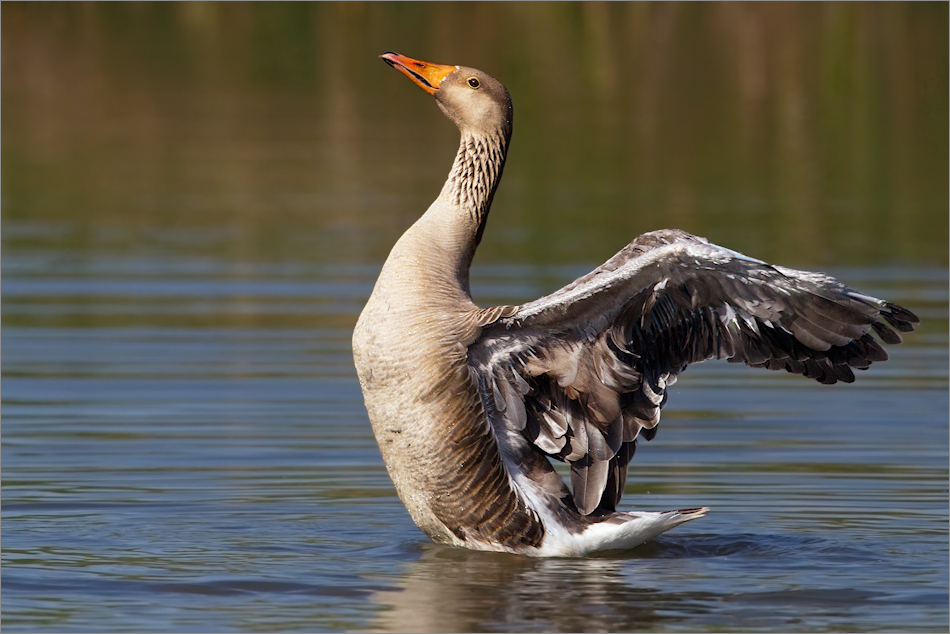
(623, 531)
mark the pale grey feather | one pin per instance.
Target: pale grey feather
(599, 354)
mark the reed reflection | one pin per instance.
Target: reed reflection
(799, 133)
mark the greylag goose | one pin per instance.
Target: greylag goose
(468, 404)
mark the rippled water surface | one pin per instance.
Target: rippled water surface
(198, 477)
(197, 198)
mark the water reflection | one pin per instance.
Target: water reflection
(195, 466)
(450, 590)
(801, 133)
(197, 198)
(667, 584)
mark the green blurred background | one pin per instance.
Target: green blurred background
(810, 134)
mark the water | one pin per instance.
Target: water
(197, 198)
(207, 478)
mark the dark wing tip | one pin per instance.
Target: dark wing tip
(886, 334)
(899, 317)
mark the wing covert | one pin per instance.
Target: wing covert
(582, 373)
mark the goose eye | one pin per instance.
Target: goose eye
(473, 82)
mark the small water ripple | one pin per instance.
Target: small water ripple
(162, 473)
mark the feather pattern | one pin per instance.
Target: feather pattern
(470, 404)
(598, 355)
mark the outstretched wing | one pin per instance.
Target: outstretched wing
(583, 372)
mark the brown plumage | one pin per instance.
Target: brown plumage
(469, 404)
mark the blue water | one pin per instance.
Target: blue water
(185, 448)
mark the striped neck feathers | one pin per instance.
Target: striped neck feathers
(476, 173)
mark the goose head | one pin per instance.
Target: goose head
(477, 102)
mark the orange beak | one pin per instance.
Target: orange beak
(427, 76)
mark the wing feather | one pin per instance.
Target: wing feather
(582, 373)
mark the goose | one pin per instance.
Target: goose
(469, 405)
